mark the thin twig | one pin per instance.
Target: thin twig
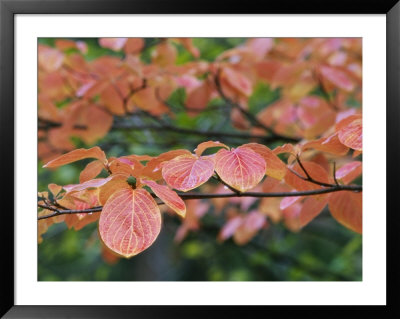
(308, 178)
(334, 174)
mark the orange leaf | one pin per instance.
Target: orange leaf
(337, 78)
(168, 196)
(251, 224)
(49, 58)
(199, 97)
(236, 81)
(115, 44)
(76, 155)
(314, 170)
(153, 168)
(346, 208)
(98, 123)
(275, 167)
(119, 166)
(147, 100)
(186, 172)
(134, 45)
(165, 54)
(115, 184)
(205, 145)
(241, 168)
(93, 183)
(330, 144)
(311, 208)
(91, 171)
(349, 172)
(112, 100)
(286, 148)
(288, 201)
(351, 135)
(130, 222)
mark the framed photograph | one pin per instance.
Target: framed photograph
(198, 155)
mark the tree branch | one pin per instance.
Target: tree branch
(180, 130)
(189, 196)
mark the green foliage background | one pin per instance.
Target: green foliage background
(322, 251)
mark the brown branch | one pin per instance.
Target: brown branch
(334, 174)
(180, 130)
(58, 212)
(189, 196)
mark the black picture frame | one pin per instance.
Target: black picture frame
(8, 10)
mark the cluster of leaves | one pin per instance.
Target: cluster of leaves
(319, 81)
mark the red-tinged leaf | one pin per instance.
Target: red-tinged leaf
(311, 208)
(316, 115)
(47, 109)
(251, 224)
(241, 168)
(230, 227)
(76, 155)
(186, 172)
(267, 69)
(260, 46)
(346, 208)
(349, 172)
(93, 183)
(134, 45)
(330, 144)
(237, 81)
(130, 222)
(49, 59)
(91, 171)
(115, 44)
(153, 168)
(199, 97)
(351, 135)
(205, 145)
(343, 121)
(291, 217)
(269, 184)
(337, 78)
(63, 44)
(169, 197)
(314, 170)
(81, 200)
(275, 167)
(289, 201)
(98, 122)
